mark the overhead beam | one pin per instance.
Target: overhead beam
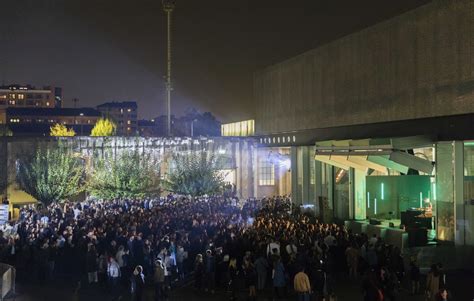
(385, 161)
(343, 160)
(362, 160)
(327, 160)
(412, 161)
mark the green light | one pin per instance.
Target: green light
(368, 199)
(375, 206)
(421, 199)
(434, 191)
(382, 194)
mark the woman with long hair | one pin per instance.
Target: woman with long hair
(250, 278)
(198, 271)
(432, 283)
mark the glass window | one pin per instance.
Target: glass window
(266, 174)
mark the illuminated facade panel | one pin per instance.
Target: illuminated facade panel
(239, 129)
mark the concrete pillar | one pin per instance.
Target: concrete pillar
(449, 188)
(360, 201)
(318, 185)
(295, 194)
(459, 207)
(351, 193)
(305, 175)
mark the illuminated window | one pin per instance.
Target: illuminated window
(129, 122)
(241, 128)
(12, 102)
(12, 96)
(88, 121)
(21, 96)
(129, 110)
(128, 129)
(266, 172)
(47, 103)
(121, 111)
(3, 96)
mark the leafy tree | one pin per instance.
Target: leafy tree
(5, 131)
(104, 127)
(53, 175)
(128, 175)
(60, 130)
(195, 174)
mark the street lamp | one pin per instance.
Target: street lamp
(81, 114)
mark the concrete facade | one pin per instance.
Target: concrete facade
(419, 64)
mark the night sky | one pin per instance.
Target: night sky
(114, 50)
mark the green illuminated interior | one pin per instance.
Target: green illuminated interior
(395, 194)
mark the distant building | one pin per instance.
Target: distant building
(27, 96)
(124, 114)
(193, 123)
(37, 121)
(148, 128)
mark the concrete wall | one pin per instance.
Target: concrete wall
(419, 64)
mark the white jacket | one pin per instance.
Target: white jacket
(113, 269)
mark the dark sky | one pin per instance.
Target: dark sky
(104, 50)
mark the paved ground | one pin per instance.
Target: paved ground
(65, 290)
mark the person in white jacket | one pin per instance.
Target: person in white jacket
(113, 275)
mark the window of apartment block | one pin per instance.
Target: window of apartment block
(266, 172)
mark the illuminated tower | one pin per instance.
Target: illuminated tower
(168, 7)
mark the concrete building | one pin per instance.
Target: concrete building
(27, 96)
(124, 114)
(378, 122)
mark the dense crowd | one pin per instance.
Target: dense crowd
(218, 242)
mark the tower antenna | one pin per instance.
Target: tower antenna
(168, 7)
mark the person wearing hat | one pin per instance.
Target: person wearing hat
(159, 279)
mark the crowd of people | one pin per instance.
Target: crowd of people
(217, 242)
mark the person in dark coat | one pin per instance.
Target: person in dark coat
(92, 265)
(210, 271)
(233, 273)
(198, 272)
(261, 266)
(250, 278)
(138, 284)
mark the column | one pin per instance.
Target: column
(305, 175)
(458, 162)
(295, 194)
(351, 193)
(449, 205)
(360, 202)
(318, 187)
